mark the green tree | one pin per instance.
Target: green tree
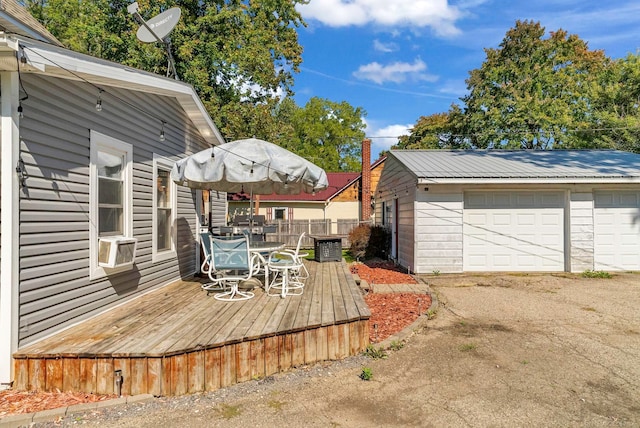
(616, 118)
(532, 92)
(238, 54)
(436, 131)
(329, 134)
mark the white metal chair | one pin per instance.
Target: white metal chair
(300, 273)
(284, 267)
(231, 263)
(207, 267)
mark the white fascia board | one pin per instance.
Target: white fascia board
(63, 63)
(538, 180)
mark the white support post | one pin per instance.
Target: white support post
(9, 250)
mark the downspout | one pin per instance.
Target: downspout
(10, 239)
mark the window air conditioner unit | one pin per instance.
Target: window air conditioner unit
(116, 252)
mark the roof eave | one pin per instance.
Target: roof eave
(529, 180)
(55, 61)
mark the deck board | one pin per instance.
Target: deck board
(169, 340)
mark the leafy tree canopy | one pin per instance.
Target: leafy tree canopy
(534, 92)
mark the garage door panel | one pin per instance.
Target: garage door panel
(523, 231)
(617, 230)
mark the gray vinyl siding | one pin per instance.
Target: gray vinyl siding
(55, 288)
(218, 208)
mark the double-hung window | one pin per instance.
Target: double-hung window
(164, 210)
(110, 193)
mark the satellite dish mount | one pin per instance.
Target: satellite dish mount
(157, 29)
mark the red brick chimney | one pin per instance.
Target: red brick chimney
(365, 214)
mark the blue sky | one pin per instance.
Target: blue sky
(402, 59)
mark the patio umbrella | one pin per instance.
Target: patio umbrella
(250, 165)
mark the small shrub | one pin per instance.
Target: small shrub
(379, 244)
(467, 347)
(366, 374)
(596, 274)
(359, 239)
(375, 353)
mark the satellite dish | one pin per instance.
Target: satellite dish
(158, 27)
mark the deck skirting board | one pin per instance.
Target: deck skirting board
(195, 370)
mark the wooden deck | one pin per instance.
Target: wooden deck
(176, 340)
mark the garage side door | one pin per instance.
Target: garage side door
(513, 231)
(617, 230)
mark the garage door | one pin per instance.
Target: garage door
(513, 231)
(617, 231)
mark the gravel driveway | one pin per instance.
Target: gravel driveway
(503, 351)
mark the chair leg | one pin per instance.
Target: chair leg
(234, 294)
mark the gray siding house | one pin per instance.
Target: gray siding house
(483, 211)
(89, 216)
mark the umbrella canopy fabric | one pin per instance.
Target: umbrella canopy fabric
(251, 165)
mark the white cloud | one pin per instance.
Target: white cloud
(437, 14)
(397, 72)
(385, 137)
(384, 47)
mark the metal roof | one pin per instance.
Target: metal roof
(461, 165)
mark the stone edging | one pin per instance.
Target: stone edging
(26, 419)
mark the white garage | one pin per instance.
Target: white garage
(617, 230)
(507, 210)
(513, 231)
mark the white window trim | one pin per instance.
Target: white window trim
(102, 142)
(164, 163)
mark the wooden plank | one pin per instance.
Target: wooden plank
(332, 342)
(227, 365)
(53, 375)
(343, 340)
(328, 314)
(139, 376)
(271, 355)
(37, 374)
(104, 376)
(88, 371)
(224, 334)
(285, 349)
(212, 369)
(246, 318)
(298, 349)
(21, 377)
(310, 346)
(271, 326)
(154, 376)
(195, 371)
(340, 312)
(301, 320)
(257, 358)
(70, 374)
(165, 380)
(358, 299)
(345, 279)
(354, 338)
(243, 361)
(315, 311)
(289, 316)
(179, 374)
(322, 341)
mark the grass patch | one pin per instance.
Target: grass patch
(468, 347)
(366, 374)
(346, 254)
(596, 274)
(589, 309)
(375, 353)
(227, 411)
(396, 345)
(276, 405)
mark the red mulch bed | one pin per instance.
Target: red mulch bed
(390, 313)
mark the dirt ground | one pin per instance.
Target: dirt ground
(502, 350)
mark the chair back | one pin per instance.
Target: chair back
(230, 254)
(300, 242)
(205, 243)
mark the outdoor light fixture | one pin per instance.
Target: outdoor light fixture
(21, 171)
(162, 132)
(99, 101)
(20, 112)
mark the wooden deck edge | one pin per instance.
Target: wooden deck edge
(196, 370)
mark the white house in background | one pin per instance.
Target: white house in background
(79, 185)
(462, 211)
